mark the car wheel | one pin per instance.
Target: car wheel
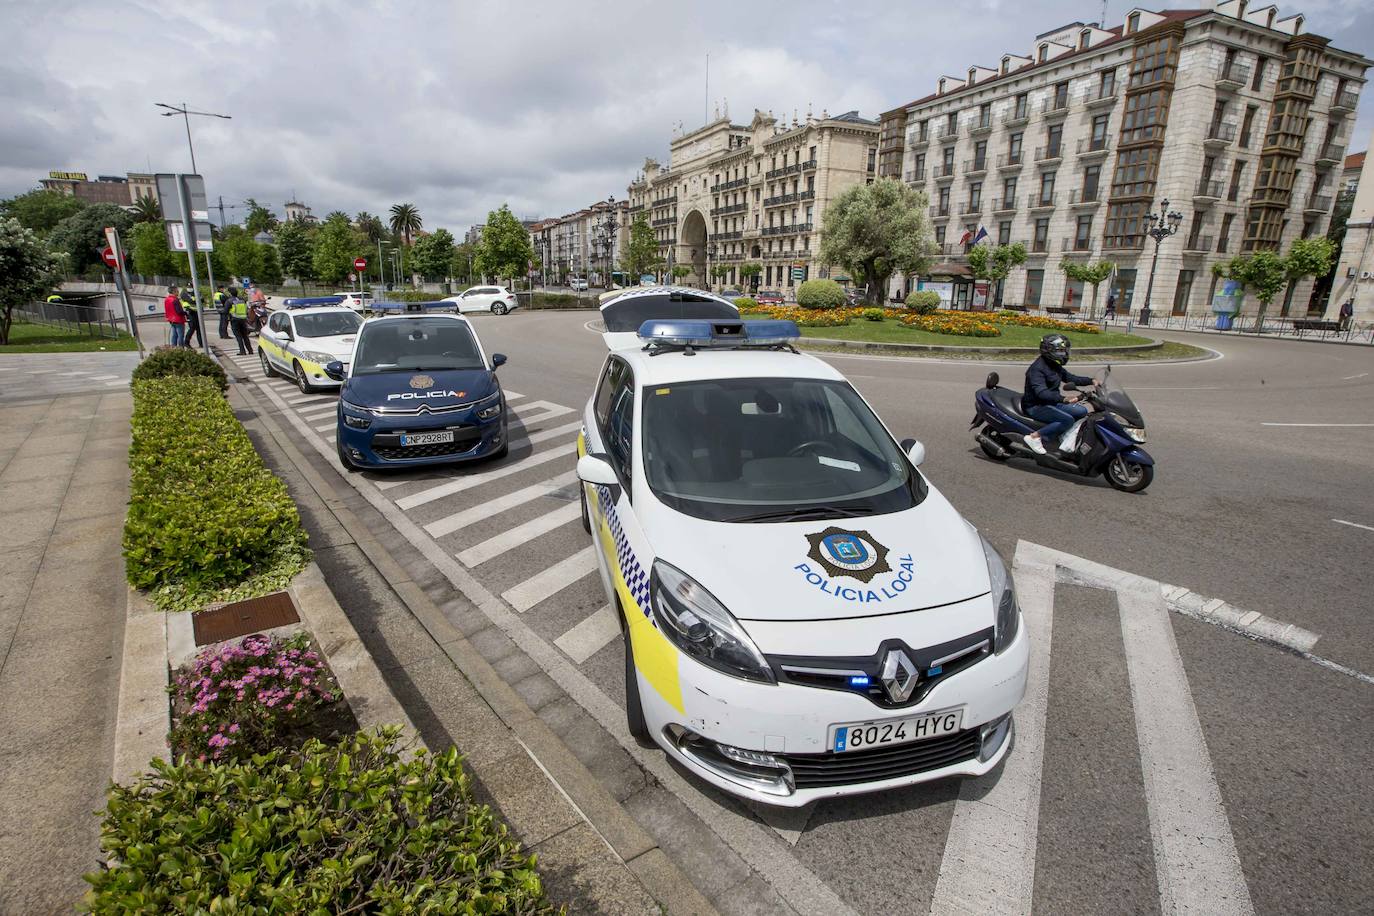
(267, 369)
(302, 380)
(586, 514)
(1127, 476)
(499, 308)
(344, 459)
(634, 712)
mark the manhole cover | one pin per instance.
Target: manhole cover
(244, 617)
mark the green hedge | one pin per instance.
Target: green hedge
(820, 294)
(205, 514)
(923, 302)
(746, 303)
(415, 295)
(560, 301)
(351, 828)
(180, 361)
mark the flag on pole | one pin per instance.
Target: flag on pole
(982, 234)
(964, 239)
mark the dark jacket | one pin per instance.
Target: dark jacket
(1043, 380)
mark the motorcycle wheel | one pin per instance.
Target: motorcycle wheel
(993, 453)
(1127, 476)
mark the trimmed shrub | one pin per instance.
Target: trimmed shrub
(242, 698)
(180, 361)
(746, 304)
(561, 301)
(417, 295)
(923, 302)
(820, 294)
(205, 514)
(872, 314)
(351, 828)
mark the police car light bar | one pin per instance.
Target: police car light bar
(411, 307)
(700, 332)
(305, 302)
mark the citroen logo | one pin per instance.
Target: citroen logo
(899, 676)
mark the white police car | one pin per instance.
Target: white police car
(299, 342)
(805, 615)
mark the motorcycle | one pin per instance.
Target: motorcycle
(1107, 441)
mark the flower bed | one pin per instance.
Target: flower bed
(207, 520)
(1049, 324)
(959, 324)
(350, 828)
(942, 321)
(246, 698)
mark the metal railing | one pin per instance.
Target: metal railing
(939, 212)
(1236, 73)
(1199, 245)
(1002, 204)
(1053, 151)
(1330, 152)
(916, 175)
(976, 165)
(981, 125)
(1320, 202)
(1040, 200)
(1347, 100)
(1085, 195)
(728, 185)
(1056, 105)
(1102, 93)
(947, 132)
(1072, 243)
(1221, 132)
(88, 320)
(1093, 145)
(943, 171)
(1005, 160)
(1207, 187)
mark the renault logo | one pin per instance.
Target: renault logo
(898, 676)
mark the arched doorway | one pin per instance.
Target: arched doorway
(691, 247)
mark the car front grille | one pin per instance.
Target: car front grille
(437, 450)
(817, 771)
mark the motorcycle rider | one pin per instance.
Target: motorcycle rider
(1042, 398)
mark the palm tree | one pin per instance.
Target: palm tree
(371, 226)
(147, 210)
(405, 219)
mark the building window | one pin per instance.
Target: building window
(1247, 125)
(1224, 237)
(1014, 149)
(920, 170)
(1035, 282)
(1004, 232)
(1041, 241)
(1237, 172)
(1044, 53)
(975, 197)
(939, 235)
(923, 130)
(1083, 233)
(1099, 134)
(952, 122)
(949, 160)
(1061, 95)
(1022, 104)
(1047, 188)
(1183, 292)
(811, 156)
(980, 155)
(944, 201)
(1146, 115)
(1009, 193)
(872, 159)
(1092, 175)
(1261, 65)
(985, 114)
(1136, 170)
(1106, 83)
(1154, 61)
(1054, 136)
(1125, 224)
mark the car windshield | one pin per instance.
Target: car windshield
(327, 324)
(415, 344)
(772, 449)
(629, 313)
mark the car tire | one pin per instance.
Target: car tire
(499, 308)
(302, 381)
(586, 513)
(347, 462)
(634, 710)
(267, 369)
(1127, 476)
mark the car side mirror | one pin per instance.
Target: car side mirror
(286, 332)
(497, 361)
(914, 450)
(596, 469)
(335, 370)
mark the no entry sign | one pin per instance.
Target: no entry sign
(108, 255)
(360, 264)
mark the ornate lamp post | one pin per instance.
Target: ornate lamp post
(608, 228)
(711, 251)
(1161, 225)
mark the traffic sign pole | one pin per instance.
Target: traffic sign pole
(116, 254)
(191, 247)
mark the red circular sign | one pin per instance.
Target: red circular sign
(360, 263)
(108, 254)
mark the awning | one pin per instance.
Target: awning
(949, 269)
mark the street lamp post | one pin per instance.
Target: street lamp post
(711, 251)
(609, 227)
(186, 113)
(381, 267)
(1161, 225)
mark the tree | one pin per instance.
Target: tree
(751, 271)
(336, 245)
(269, 271)
(720, 271)
(504, 249)
(1264, 272)
(148, 245)
(80, 237)
(1306, 258)
(641, 254)
(1090, 274)
(260, 219)
(434, 255)
(147, 210)
(40, 210)
(296, 248)
(680, 271)
(372, 227)
(28, 270)
(241, 255)
(336, 215)
(874, 230)
(405, 220)
(994, 262)
(460, 265)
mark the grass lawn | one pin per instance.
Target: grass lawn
(42, 338)
(1013, 335)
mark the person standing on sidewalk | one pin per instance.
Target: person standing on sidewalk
(176, 315)
(188, 303)
(1347, 313)
(222, 306)
(238, 317)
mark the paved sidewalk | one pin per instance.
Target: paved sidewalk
(63, 490)
(41, 376)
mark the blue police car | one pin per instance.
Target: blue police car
(420, 390)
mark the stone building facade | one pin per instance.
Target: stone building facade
(1240, 119)
(575, 244)
(734, 194)
(1354, 281)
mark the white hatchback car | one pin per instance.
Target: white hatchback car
(491, 299)
(578, 284)
(298, 343)
(359, 302)
(804, 614)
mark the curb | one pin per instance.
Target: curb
(982, 351)
(144, 715)
(525, 735)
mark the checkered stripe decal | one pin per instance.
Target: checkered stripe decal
(635, 577)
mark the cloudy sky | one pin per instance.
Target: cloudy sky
(459, 106)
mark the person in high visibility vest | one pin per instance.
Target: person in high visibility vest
(55, 298)
(222, 306)
(238, 316)
(192, 309)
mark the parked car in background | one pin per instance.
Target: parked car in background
(491, 299)
(299, 342)
(768, 297)
(578, 284)
(358, 302)
(732, 293)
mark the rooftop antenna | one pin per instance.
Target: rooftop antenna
(1103, 23)
(706, 96)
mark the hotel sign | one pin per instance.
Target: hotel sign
(68, 176)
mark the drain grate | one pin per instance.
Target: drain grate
(244, 617)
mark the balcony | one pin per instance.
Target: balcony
(728, 236)
(1093, 147)
(782, 199)
(975, 166)
(1344, 103)
(1084, 197)
(1198, 246)
(727, 185)
(732, 208)
(665, 221)
(918, 138)
(1009, 160)
(1004, 205)
(1232, 78)
(947, 134)
(916, 176)
(1207, 192)
(1329, 155)
(1056, 107)
(1102, 97)
(1039, 246)
(792, 169)
(981, 126)
(1319, 203)
(1049, 155)
(1219, 135)
(943, 171)
(1040, 201)
(1076, 246)
(663, 201)
(971, 208)
(940, 212)
(808, 165)
(791, 229)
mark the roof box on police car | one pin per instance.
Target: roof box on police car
(626, 314)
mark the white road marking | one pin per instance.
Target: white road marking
(989, 860)
(460, 520)
(314, 414)
(1349, 377)
(512, 538)
(590, 636)
(467, 482)
(1341, 521)
(527, 416)
(552, 580)
(512, 395)
(303, 399)
(1196, 863)
(103, 378)
(326, 427)
(1323, 425)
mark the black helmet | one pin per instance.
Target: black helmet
(1055, 348)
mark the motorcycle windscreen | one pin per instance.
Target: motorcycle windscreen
(1115, 399)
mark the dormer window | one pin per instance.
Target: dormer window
(1132, 23)
(1044, 53)
(972, 75)
(941, 86)
(1006, 65)
(1083, 38)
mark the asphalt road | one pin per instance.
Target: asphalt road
(1151, 731)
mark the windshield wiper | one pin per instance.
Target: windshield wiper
(802, 513)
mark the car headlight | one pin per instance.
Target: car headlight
(315, 356)
(700, 626)
(493, 408)
(355, 417)
(1004, 593)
